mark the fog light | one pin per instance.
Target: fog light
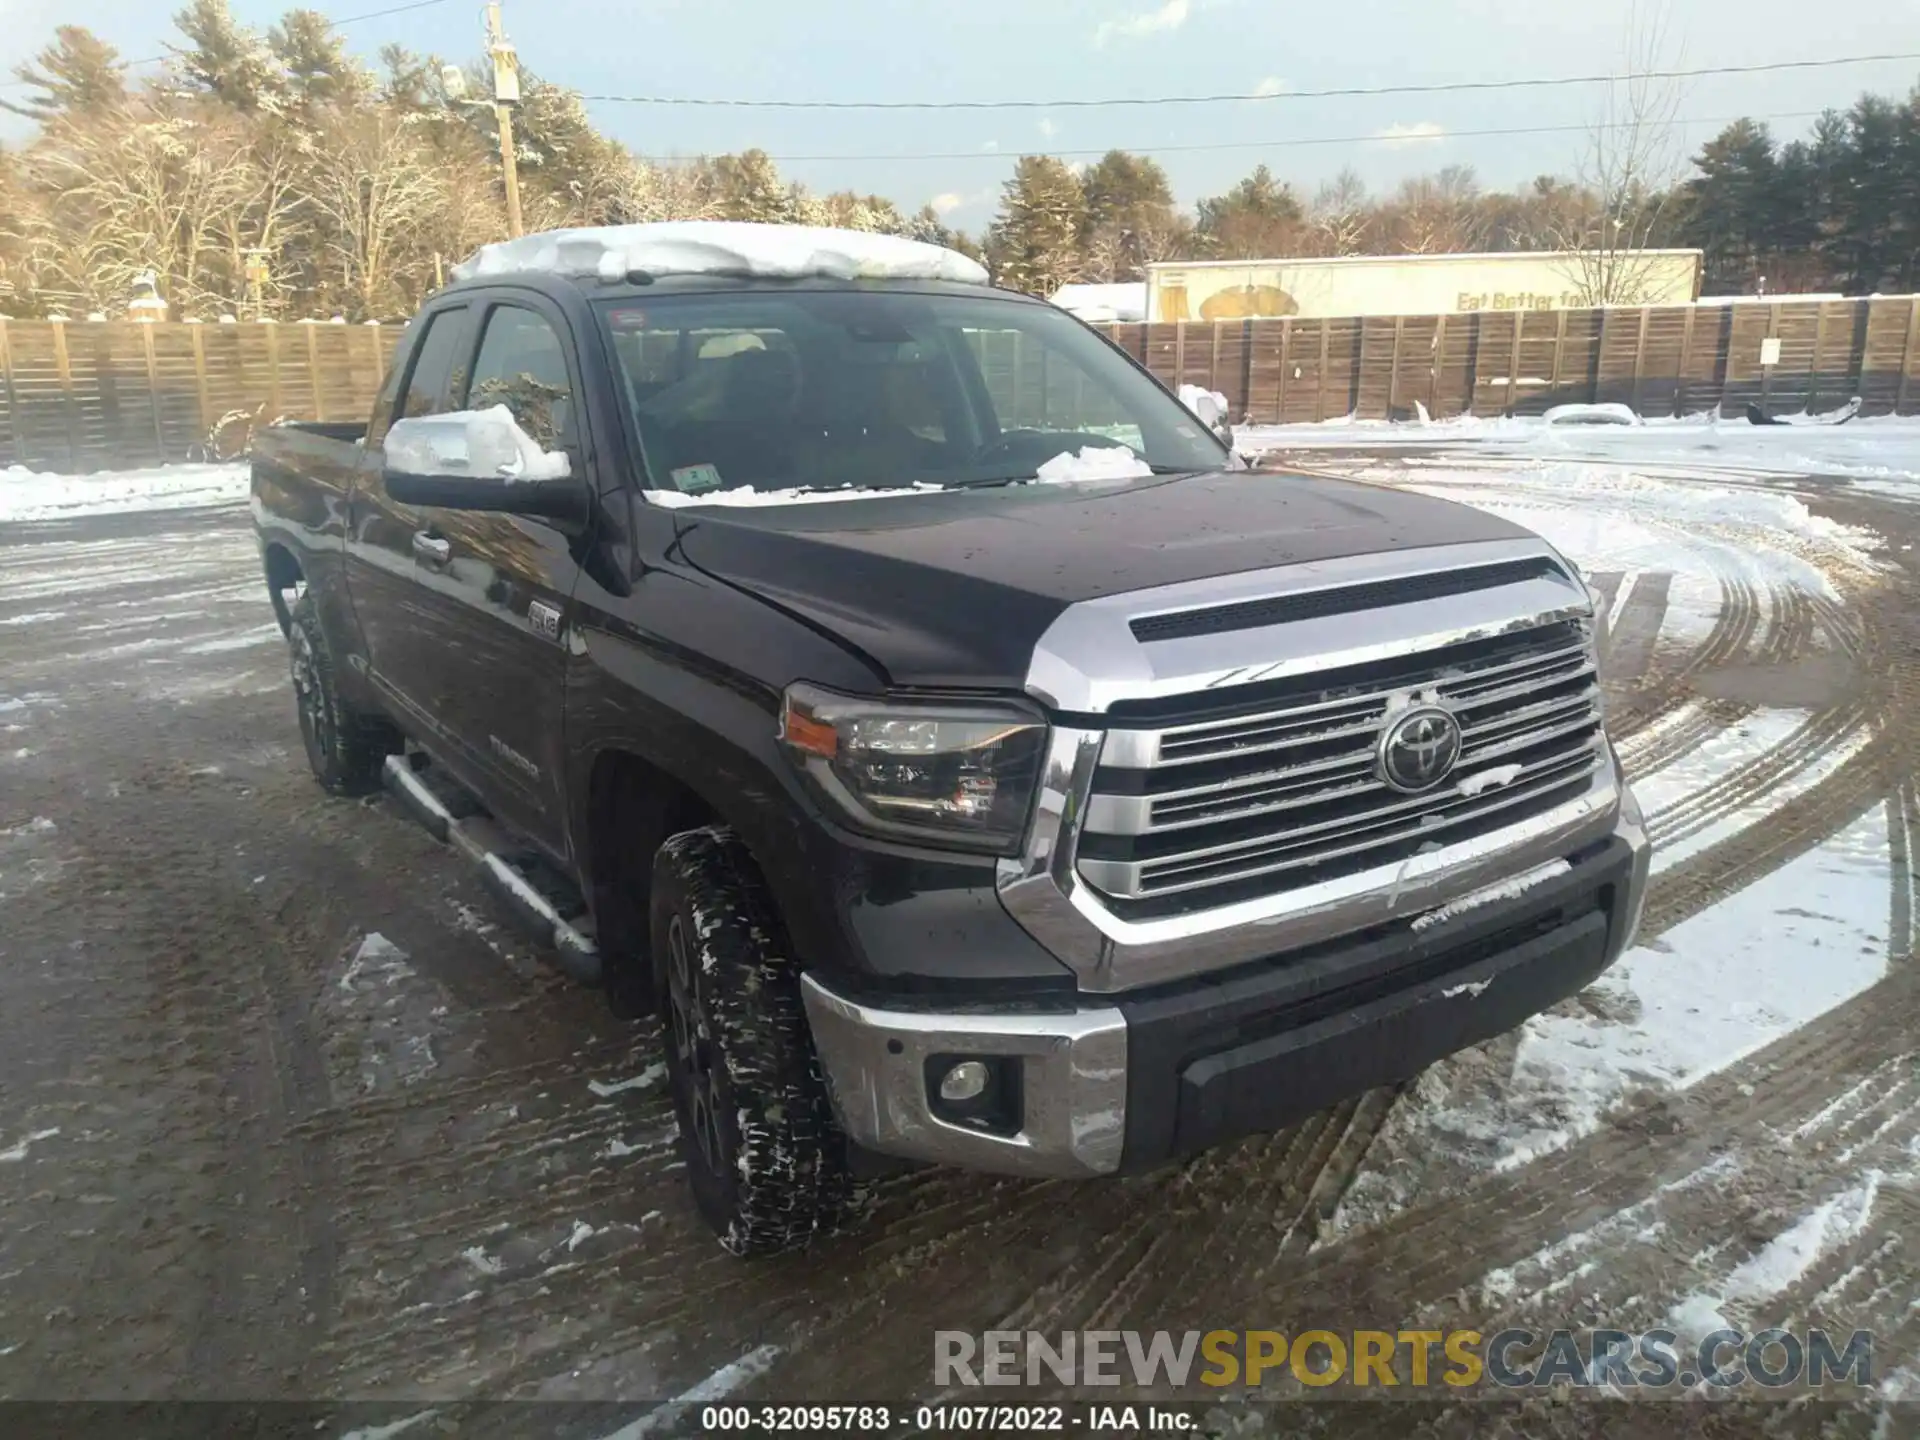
(965, 1081)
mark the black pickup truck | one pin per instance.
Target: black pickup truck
(886, 682)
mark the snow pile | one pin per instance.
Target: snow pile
(652, 1075)
(14, 1154)
(1710, 991)
(746, 495)
(722, 247)
(1609, 413)
(1104, 304)
(1209, 405)
(28, 495)
(1492, 779)
(1095, 462)
(471, 442)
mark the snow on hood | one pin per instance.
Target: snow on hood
(722, 247)
(746, 495)
(1094, 462)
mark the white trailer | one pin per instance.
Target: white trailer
(1415, 284)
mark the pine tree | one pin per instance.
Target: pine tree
(79, 74)
(1259, 218)
(1876, 207)
(407, 81)
(1732, 205)
(1034, 244)
(1130, 216)
(751, 189)
(318, 68)
(226, 60)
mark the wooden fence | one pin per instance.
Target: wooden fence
(102, 395)
(85, 396)
(1661, 360)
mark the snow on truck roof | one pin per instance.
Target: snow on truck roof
(721, 247)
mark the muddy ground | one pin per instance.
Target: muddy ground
(286, 1112)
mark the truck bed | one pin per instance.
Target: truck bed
(301, 473)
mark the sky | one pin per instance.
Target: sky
(1092, 49)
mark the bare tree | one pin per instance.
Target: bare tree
(264, 168)
(1341, 213)
(145, 190)
(1629, 166)
(376, 189)
(1437, 214)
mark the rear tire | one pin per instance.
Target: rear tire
(345, 749)
(766, 1160)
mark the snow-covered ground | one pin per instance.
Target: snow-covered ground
(1880, 455)
(31, 495)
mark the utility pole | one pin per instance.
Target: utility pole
(506, 94)
(257, 276)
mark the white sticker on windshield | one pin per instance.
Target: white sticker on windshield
(697, 479)
(1188, 431)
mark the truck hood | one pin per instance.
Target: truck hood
(954, 588)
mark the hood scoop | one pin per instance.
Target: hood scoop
(1340, 600)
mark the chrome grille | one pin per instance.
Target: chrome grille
(1206, 801)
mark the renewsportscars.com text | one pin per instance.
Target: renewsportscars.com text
(1458, 1359)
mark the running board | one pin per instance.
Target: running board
(457, 821)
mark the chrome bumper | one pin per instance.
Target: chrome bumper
(1073, 1080)
(1074, 1070)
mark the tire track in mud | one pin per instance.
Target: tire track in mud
(1734, 788)
(1672, 714)
(178, 947)
(1409, 1267)
(1641, 619)
(1662, 693)
(1250, 1204)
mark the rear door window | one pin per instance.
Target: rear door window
(431, 383)
(522, 365)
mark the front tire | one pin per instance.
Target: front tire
(346, 750)
(767, 1162)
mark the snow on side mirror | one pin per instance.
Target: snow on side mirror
(472, 444)
(1211, 407)
(480, 460)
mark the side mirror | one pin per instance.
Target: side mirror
(1210, 408)
(480, 460)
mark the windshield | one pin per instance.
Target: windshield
(835, 389)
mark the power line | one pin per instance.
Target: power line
(1441, 88)
(1376, 138)
(346, 20)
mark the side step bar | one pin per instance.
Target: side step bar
(465, 827)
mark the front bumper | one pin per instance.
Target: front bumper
(1130, 1084)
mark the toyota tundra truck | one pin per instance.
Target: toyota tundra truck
(883, 680)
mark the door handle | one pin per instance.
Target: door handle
(431, 550)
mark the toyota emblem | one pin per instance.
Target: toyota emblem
(1419, 749)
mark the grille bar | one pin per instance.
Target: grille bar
(1288, 792)
(1304, 724)
(1390, 826)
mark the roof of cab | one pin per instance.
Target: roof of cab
(719, 248)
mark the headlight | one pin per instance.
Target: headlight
(959, 774)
